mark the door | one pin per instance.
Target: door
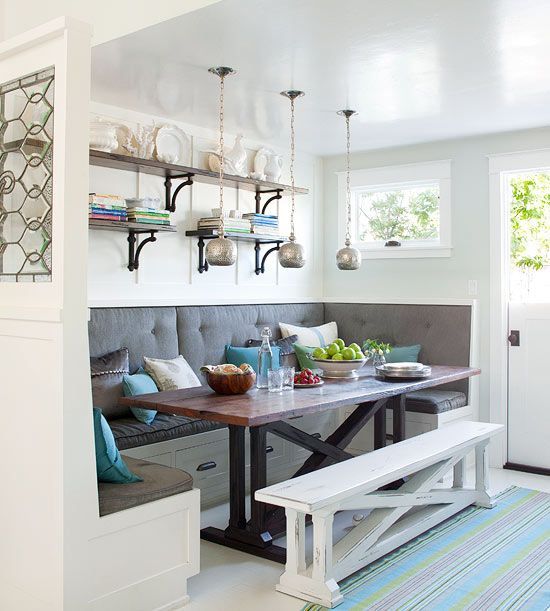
(529, 321)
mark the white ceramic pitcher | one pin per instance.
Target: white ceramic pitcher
(273, 167)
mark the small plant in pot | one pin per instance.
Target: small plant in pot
(376, 350)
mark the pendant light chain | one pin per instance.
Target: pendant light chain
(222, 157)
(348, 184)
(292, 237)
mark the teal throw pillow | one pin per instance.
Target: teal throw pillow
(109, 464)
(302, 354)
(236, 355)
(140, 383)
(403, 354)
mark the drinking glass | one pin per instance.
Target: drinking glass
(288, 378)
(275, 380)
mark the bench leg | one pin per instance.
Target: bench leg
(458, 474)
(320, 587)
(482, 476)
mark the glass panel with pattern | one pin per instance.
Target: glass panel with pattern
(26, 155)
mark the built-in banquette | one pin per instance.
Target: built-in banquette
(200, 333)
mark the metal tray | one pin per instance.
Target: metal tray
(403, 375)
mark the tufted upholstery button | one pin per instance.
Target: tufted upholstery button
(153, 331)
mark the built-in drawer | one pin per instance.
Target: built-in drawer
(208, 464)
(320, 425)
(277, 452)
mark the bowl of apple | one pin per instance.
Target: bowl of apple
(338, 360)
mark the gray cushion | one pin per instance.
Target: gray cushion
(107, 372)
(144, 331)
(130, 433)
(158, 482)
(433, 401)
(443, 331)
(203, 331)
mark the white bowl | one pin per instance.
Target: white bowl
(339, 369)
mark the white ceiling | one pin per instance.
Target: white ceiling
(416, 70)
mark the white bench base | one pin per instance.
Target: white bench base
(353, 485)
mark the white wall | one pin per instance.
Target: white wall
(109, 19)
(168, 268)
(431, 278)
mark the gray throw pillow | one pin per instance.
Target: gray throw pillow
(107, 373)
(288, 356)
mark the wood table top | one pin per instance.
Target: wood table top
(259, 407)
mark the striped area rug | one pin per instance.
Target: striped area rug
(481, 559)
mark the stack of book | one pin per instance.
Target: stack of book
(263, 223)
(150, 216)
(107, 207)
(229, 223)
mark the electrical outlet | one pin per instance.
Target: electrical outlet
(472, 287)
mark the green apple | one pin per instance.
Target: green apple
(340, 342)
(333, 349)
(359, 355)
(319, 353)
(355, 347)
(348, 354)
(338, 357)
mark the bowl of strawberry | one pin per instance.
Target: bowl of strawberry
(306, 378)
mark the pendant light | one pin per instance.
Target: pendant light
(292, 254)
(221, 251)
(348, 258)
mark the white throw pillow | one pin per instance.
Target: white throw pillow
(311, 336)
(171, 374)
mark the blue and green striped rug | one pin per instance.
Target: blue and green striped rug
(481, 559)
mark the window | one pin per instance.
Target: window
(401, 211)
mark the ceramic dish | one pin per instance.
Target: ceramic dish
(339, 369)
(405, 366)
(403, 374)
(173, 145)
(308, 385)
(260, 160)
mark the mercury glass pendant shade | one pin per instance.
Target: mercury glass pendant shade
(292, 254)
(348, 258)
(221, 252)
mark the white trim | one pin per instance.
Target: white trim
(390, 177)
(499, 167)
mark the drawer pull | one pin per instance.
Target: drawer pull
(269, 449)
(205, 466)
(317, 435)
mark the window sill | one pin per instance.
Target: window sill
(405, 252)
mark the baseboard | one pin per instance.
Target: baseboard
(512, 466)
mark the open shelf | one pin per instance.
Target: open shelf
(169, 170)
(133, 230)
(257, 238)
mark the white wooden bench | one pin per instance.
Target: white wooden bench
(354, 485)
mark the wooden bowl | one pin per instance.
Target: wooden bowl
(230, 384)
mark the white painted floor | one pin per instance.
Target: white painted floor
(233, 581)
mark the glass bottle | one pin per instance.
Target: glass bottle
(265, 359)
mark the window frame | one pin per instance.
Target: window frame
(386, 178)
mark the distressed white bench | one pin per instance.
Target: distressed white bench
(354, 485)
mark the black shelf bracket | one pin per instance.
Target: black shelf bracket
(260, 263)
(203, 263)
(261, 209)
(170, 198)
(133, 252)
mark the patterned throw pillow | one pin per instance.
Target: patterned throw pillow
(107, 372)
(171, 374)
(311, 336)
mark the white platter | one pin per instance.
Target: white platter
(404, 374)
(404, 366)
(173, 145)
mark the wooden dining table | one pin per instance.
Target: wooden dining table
(263, 412)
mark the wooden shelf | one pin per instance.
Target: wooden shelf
(133, 230)
(262, 238)
(168, 170)
(127, 226)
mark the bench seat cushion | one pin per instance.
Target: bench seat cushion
(130, 433)
(158, 482)
(433, 401)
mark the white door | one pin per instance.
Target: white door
(529, 386)
(529, 320)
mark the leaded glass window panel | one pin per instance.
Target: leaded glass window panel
(26, 155)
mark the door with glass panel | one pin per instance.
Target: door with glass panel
(528, 196)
